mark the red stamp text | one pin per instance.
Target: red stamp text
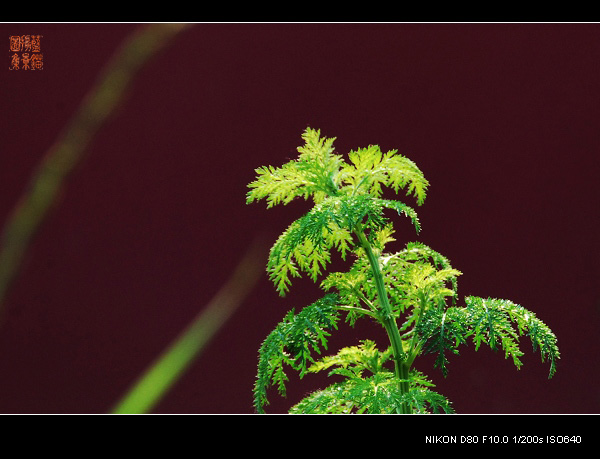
(26, 52)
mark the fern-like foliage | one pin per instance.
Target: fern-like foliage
(442, 332)
(306, 244)
(314, 174)
(368, 387)
(371, 170)
(412, 293)
(345, 195)
(499, 324)
(292, 343)
(495, 322)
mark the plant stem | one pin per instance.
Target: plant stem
(68, 150)
(171, 365)
(359, 311)
(387, 318)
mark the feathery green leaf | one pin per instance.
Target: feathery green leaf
(442, 332)
(291, 343)
(492, 321)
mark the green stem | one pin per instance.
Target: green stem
(69, 149)
(358, 310)
(387, 318)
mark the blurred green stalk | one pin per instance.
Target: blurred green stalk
(68, 149)
(170, 365)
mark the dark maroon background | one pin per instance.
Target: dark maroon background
(503, 119)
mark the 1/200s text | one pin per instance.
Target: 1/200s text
(503, 439)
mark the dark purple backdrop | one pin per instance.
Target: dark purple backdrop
(503, 120)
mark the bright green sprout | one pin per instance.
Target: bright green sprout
(411, 293)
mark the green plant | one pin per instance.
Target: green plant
(411, 293)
